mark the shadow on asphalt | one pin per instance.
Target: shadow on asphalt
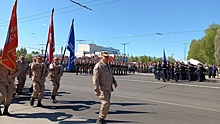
(79, 102)
(56, 116)
(72, 107)
(93, 121)
(94, 102)
(48, 93)
(128, 112)
(20, 99)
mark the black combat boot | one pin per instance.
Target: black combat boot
(53, 99)
(32, 101)
(31, 89)
(17, 91)
(5, 112)
(0, 112)
(39, 104)
(20, 92)
(101, 121)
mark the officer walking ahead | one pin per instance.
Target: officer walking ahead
(39, 73)
(102, 83)
(7, 79)
(55, 74)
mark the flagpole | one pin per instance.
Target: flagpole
(62, 60)
(45, 54)
(63, 56)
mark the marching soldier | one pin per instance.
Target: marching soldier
(168, 71)
(164, 71)
(39, 73)
(176, 71)
(103, 80)
(55, 74)
(159, 69)
(21, 79)
(172, 71)
(155, 70)
(7, 79)
(77, 65)
(30, 72)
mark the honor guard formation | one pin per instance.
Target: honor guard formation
(180, 71)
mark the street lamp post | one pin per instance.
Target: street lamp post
(185, 43)
(124, 50)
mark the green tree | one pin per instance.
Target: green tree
(34, 52)
(136, 58)
(131, 59)
(18, 54)
(217, 47)
(201, 57)
(209, 48)
(143, 58)
(171, 59)
(29, 57)
(193, 51)
(158, 59)
(23, 51)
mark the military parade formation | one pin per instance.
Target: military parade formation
(86, 66)
(102, 69)
(38, 73)
(179, 71)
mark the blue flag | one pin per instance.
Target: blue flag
(71, 47)
(164, 57)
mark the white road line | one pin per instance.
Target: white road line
(169, 103)
(188, 85)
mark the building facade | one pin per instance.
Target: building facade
(90, 50)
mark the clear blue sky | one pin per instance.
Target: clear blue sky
(113, 22)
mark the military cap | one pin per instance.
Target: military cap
(22, 55)
(55, 58)
(38, 57)
(104, 53)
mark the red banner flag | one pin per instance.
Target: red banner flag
(50, 39)
(8, 58)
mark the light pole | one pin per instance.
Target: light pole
(124, 50)
(185, 43)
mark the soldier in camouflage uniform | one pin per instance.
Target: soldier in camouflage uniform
(21, 78)
(39, 74)
(7, 79)
(55, 73)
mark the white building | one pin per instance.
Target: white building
(94, 50)
(91, 49)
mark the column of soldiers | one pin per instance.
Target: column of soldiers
(86, 67)
(179, 71)
(119, 68)
(38, 73)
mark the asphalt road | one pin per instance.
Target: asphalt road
(139, 99)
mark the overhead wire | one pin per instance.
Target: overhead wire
(154, 33)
